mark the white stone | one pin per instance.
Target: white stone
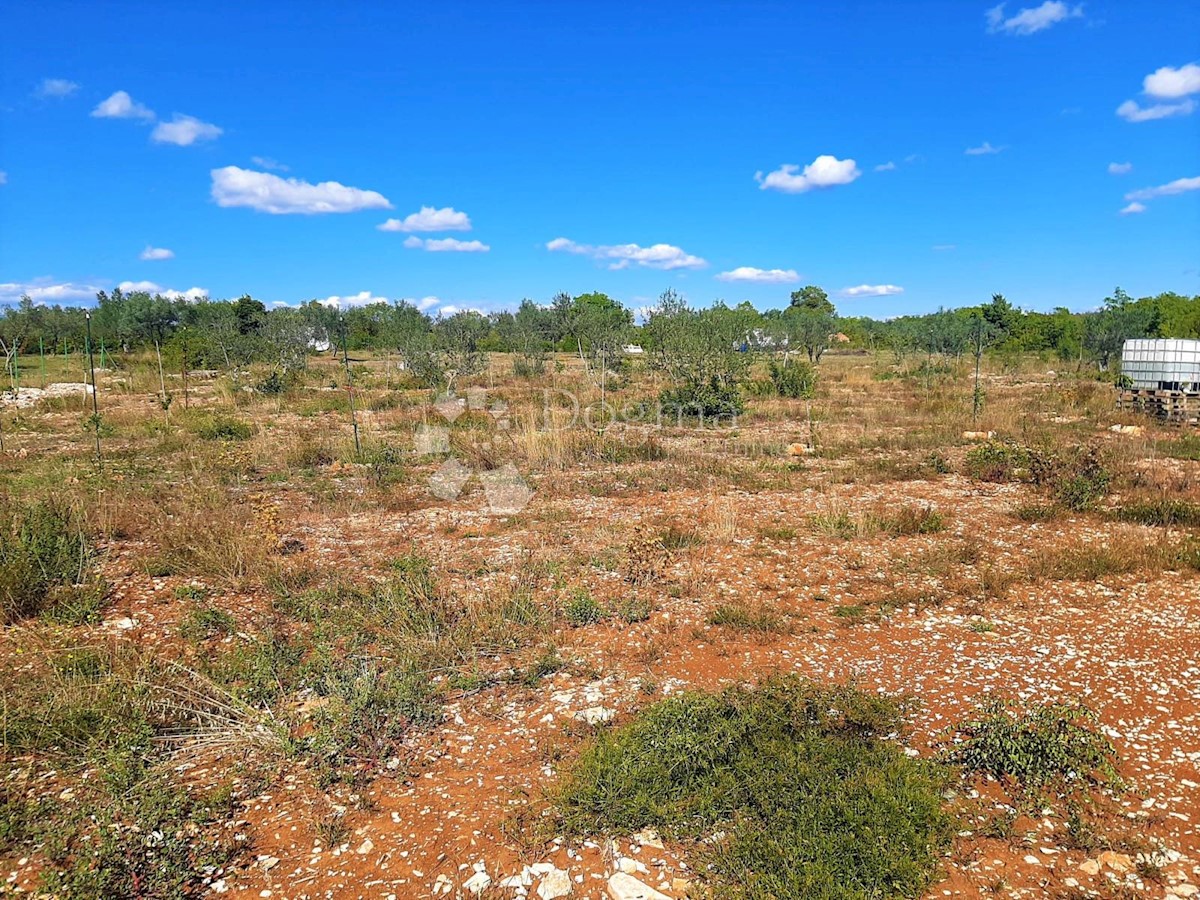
(625, 887)
(556, 883)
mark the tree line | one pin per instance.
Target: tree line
(709, 347)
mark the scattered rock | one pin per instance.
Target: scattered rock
(596, 715)
(625, 887)
(1089, 867)
(478, 883)
(1118, 862)
(978, 435)
(556, 883)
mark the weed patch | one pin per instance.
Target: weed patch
(794, 785)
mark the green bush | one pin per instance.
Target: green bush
(1036, 749)
(222, 428)
(997, 461)
(705, 402)
(1160, 512)
(582, 609)
(796, 787)
(1076, 478)
(42, 547)
(795, 378)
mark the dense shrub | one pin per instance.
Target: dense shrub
(707, 402)
(795, 378)
(794, 785)
(1038, 748)
(214, 427)
(42, 548)
(1076, 478)
(997, 461)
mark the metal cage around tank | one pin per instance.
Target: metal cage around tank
(1162, 377)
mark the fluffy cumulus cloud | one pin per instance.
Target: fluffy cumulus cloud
(885, 167)
(156, 253)
(824, 171)
(183, 131)
(150, 287)
(1120, 168)
(56, 87)
(233, 186)
(1165, 84)
(760, 276)
(121, 106)
(1133, 209)
(621, 256)
(1031, 20)
(1168, 83)
(429, 219)
(870, 290)
(984, 149)
(1132, 111)
(424, 303)
(44, 290)
(445, 245)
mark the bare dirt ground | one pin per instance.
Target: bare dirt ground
(910, 614)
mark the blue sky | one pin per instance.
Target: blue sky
(731, 151)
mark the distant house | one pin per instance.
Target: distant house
(632, 350)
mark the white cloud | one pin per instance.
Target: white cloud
(266, 162)
(885, 167)
(362, 298)
(1168, 83)
(1120, 168)
(430, 219)
(232, 186)
(984, 149)
(445, 245)
(183, 131)
(425, 303)
(760, 276)
(824, 171)
(43, 291)
(871, 290)
(943, 248)
(1033, 19)
(150, 287)
(620, 256)
(56, 87)
(3, 177)
(155, 253)
(1178, 186)
(121, 106)
(1133, 208)
(1130, 111)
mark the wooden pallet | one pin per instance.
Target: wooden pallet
(1173, 407)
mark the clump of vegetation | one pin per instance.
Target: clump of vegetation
(43, 552)
(743, 617)
(204, 620)
(582, 609)
(1037, 512)
(895, 521)
(1038, 749)
(708, 403)
(1165, 512)
(1077, 479)
(104, 720)
(795, 786)
(997, 461)
(216, 427)
(794, 378)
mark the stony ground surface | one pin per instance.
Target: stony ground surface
(453, 819)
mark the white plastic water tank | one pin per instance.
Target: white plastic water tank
(1162, 364)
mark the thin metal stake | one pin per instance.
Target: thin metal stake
(95, 403)
(350, 391)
